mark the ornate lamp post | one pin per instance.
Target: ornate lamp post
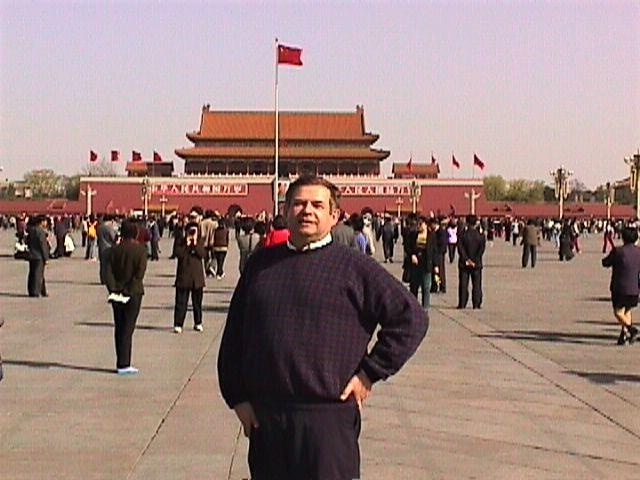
(163, 201)
(634, 166)
(472, 196)
(89, 194)
(561, 181)
(609, 195)
(415, 196)
(146, 194)
(399, 202)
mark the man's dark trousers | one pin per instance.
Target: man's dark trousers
(125, 316)
(305, 441)
(529, 250)
(35, 281)
(182, 300)
(463, 287)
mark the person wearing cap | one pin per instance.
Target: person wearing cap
(471, 246)
(294, 362)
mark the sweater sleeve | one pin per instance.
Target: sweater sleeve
(402, 321)
(230, 354)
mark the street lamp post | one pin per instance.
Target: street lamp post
(415, 196)
(89, 194)
(399, 202)
(609, 196)
(561, 182)
(634, 180)
(163, 201)
(146, 194)
(472, 196)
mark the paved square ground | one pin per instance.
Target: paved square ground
(531, 386)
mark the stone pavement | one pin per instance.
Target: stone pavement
(530, 387)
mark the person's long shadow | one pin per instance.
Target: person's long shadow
(110, 325)
(14, 295)
(554, 336)
(205, 308)
(46, 365)
(606, 378)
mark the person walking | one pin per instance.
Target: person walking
(208, 227)
(39, 254)
(92, 235)
(420, 246)
(154, 239)
(293, 361)
(452, 239)
(389, 235)
(220, 246)
(530, 243)
(471, 246)
(625, 271)
(248, 241)
(190, 253)
(125, 274)
(608, 232)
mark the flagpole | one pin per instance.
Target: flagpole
(277, 134)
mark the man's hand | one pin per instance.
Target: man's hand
(247, 417)
(359, 386)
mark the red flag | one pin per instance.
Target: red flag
(289, 55)
(156, 157)
(454, 161)
(135, 156)
(93, 156)
(115, 155)
(477, 162)
(433, 160)
(410, 164)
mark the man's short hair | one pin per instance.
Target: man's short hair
(308, 180)
(629, 235)
(128, 230)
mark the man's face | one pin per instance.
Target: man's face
(310, 216)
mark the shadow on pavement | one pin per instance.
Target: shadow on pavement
(71, 282)
(552, 336)
(138, 327)
(606, 378)
(34, 364)
(15, 295)
(205, 308)
(598, 299)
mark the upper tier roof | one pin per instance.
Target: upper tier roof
(243, 125)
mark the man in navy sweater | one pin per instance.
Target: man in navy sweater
(293, 361)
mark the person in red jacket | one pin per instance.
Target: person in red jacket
(279, 234)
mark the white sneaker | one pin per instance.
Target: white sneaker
(128, 371)
(198, 328)
(177, 329)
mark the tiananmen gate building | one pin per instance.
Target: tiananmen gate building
(231, 163)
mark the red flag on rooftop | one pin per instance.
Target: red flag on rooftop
(455, 162)
(93, 156)
(433, 160)
(156, 157)
(289, 55)
(410, 164)
(135, 156)
(115, 155)
(477, 162)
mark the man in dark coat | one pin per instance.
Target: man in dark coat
(39, 254)
(530, 243)
(125, 273)
(190, 252)
(471, 245)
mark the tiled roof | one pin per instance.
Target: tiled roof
(416, 169)
(136, 167)
(284, 152)
(239, 125)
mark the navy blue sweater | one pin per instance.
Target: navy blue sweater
(299, 325)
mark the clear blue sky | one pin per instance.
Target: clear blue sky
(527, 85)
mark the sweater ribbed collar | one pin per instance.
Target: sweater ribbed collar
(323, 242)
